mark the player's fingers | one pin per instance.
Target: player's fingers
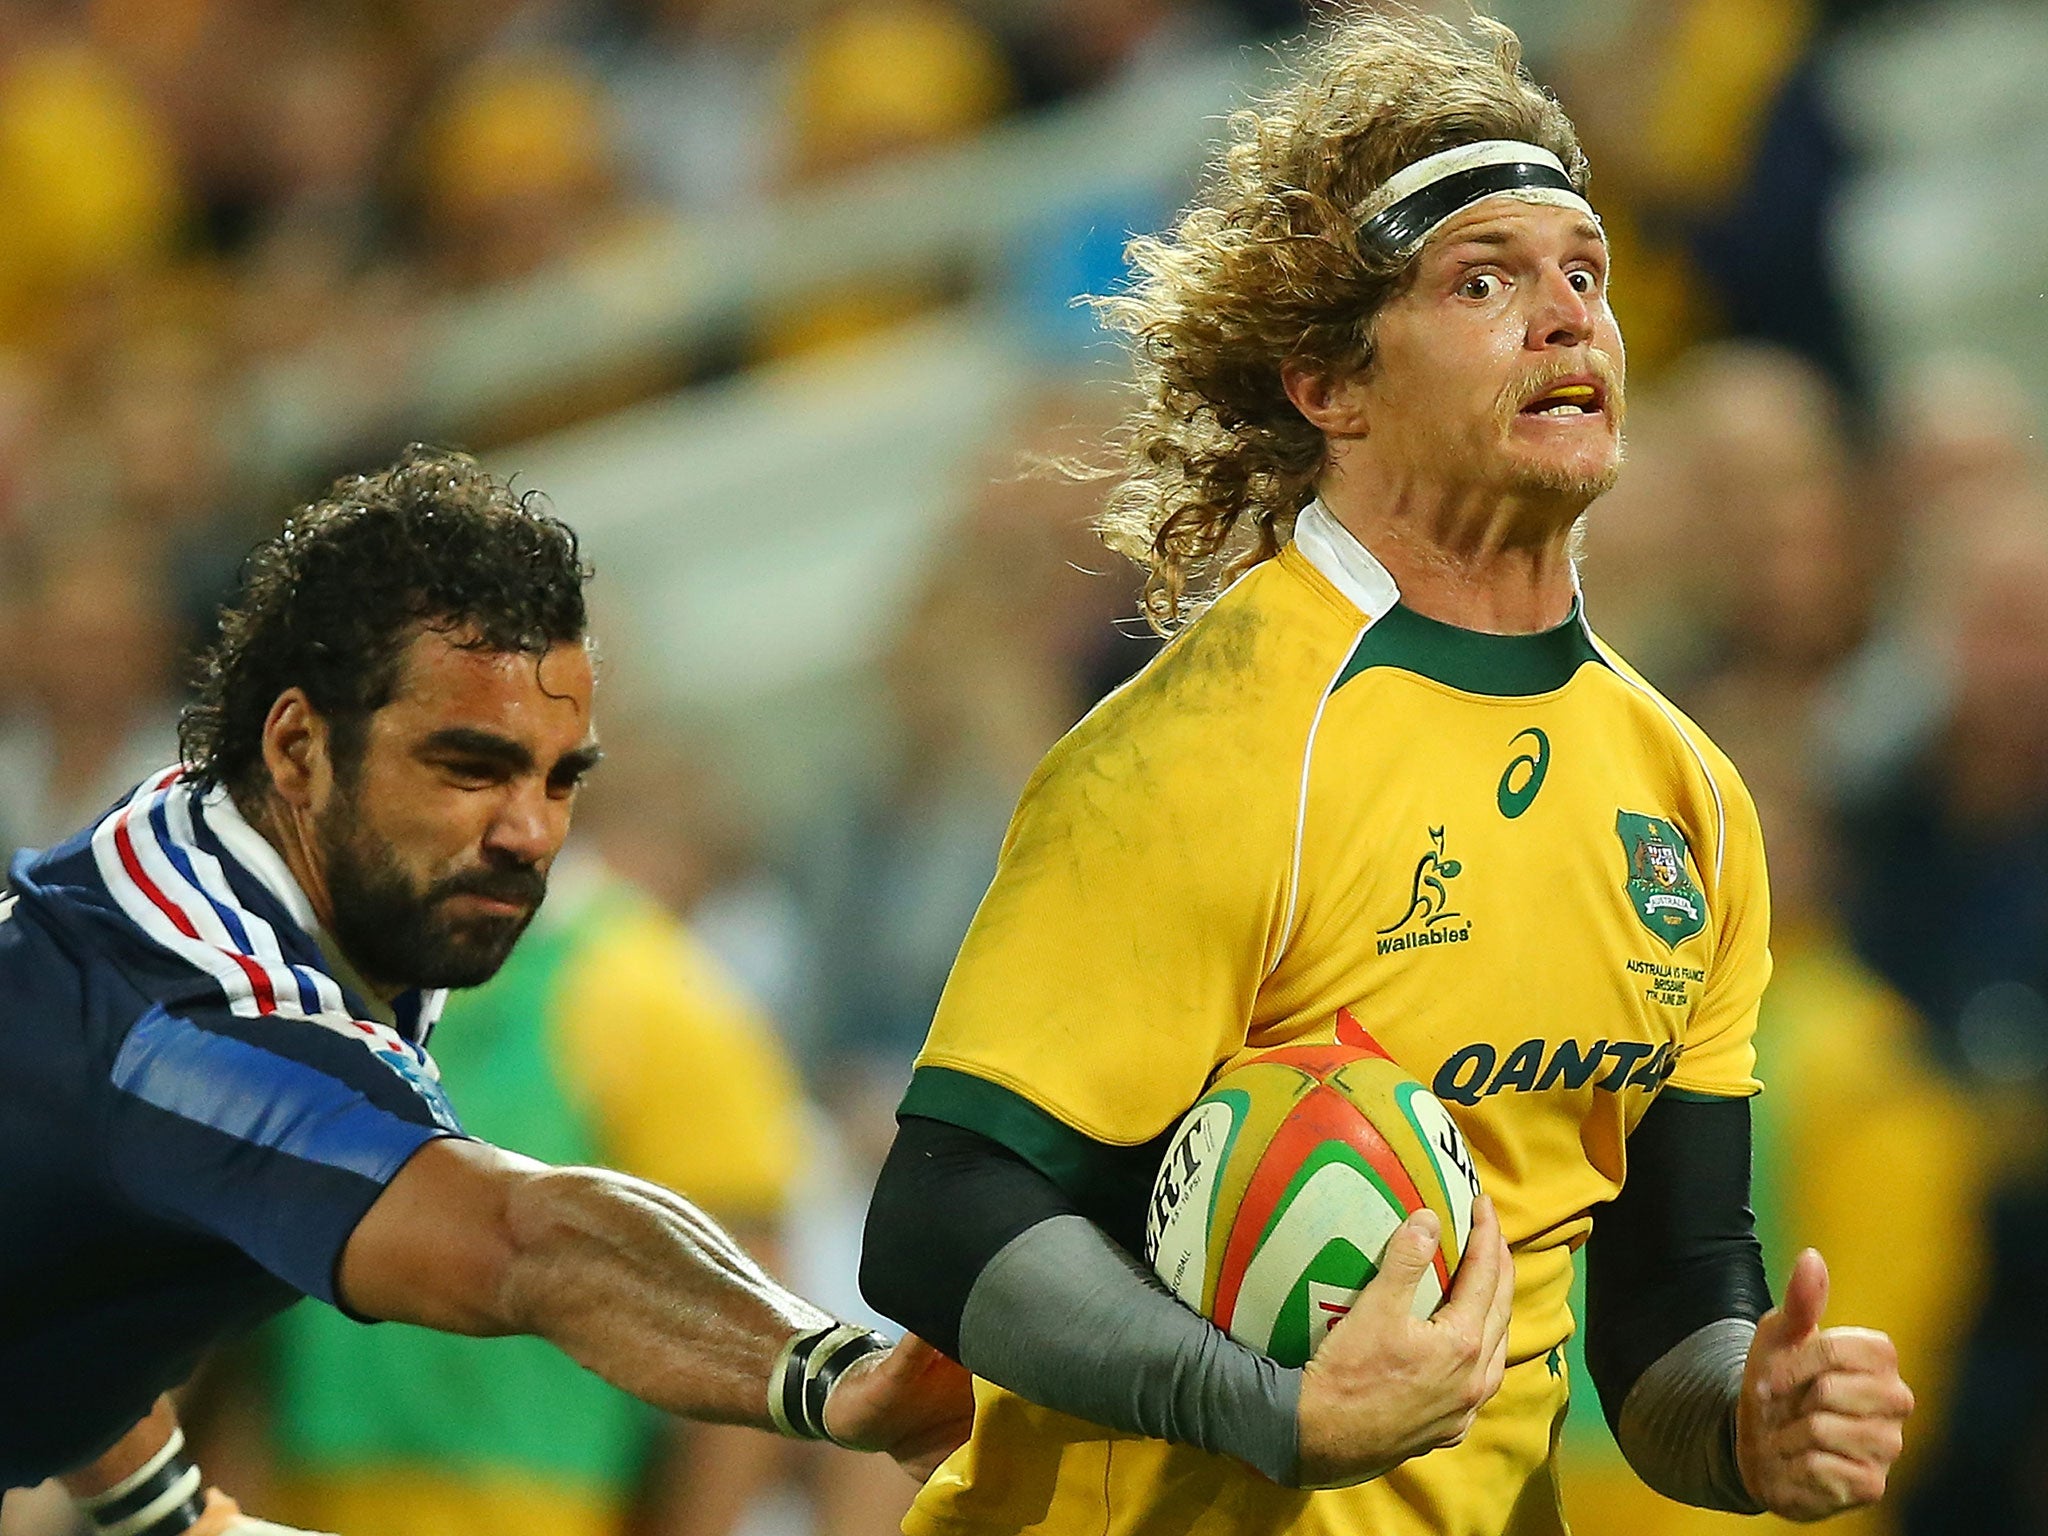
(1858, 1392)
(1858, 1349)
(1497, 1366)
(1859, 1439)
(1504, 1285)
(1834, 1482)
(910, 1357)
(1474, 1287)
(1796, 1317)
(1791, 1366)
(1787, 1372)
(1408, 1256)
(1788, 1367)
(1500, 1306)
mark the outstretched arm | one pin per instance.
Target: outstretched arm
(629, 1279)
(636, 1284)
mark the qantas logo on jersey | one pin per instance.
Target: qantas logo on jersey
(1430, 913)
(1479, 1071)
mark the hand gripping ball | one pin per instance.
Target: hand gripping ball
(1282, 1185)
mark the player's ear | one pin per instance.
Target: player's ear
(295, 749)
(1333, 406)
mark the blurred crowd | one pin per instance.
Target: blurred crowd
(198, 189)
(1845, 578)
(1855, 605)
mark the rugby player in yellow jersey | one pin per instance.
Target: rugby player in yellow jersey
(1390, 770)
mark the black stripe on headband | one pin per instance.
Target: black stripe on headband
(1397, 228)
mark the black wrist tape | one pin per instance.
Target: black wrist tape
(805, 1371)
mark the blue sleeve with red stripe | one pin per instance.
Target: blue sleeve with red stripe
(273, 1134)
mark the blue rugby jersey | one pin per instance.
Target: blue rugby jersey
(194, 1113)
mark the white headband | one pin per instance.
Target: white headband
(1413, 202)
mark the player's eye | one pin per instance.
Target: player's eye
(1480, 285)
(1583, 280)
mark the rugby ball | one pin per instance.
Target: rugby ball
(1280, 1188)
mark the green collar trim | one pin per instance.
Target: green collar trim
(1499, 666)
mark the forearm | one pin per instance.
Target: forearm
(142, 1485)
(125, 1456)
(642, 1288)
(1677, 1423)
(631, 1281)
(1026, 1291)
(1068, 1319)
(1674, 1284)
(639, 1286)
(702, 1478)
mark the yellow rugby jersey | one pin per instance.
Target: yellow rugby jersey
(1529, 877)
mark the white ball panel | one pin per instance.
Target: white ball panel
(1453, 1159)
(1336, 1200)
(1177, 1221)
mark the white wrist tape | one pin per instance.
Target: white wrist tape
(159, 1498)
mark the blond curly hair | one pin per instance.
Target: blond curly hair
(1267, 267)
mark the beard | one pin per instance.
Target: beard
(400, 933)
(1567, 482)
(1564, 482)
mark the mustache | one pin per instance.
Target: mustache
(1528, 390)
(525, 885)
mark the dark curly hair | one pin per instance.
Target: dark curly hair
(331, 602)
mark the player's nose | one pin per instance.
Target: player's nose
(1562, 316)
(530, 824)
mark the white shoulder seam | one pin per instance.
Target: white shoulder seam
(1308, 753)
(1713, 784)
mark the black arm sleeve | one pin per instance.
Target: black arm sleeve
(1677, 1248)
(948, 1200)
(984, 1254)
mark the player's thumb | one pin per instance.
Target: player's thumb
(1408, 1255)
(1797, 1315)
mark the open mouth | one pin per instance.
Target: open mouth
(1575, 397)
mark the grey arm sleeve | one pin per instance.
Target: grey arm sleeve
(1127, 1354)
(1677, 1424)
(1674, 1281)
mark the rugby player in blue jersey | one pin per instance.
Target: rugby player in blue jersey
(215, 1090)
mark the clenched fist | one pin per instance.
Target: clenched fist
(1387, 1385)
(1823, 1410)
